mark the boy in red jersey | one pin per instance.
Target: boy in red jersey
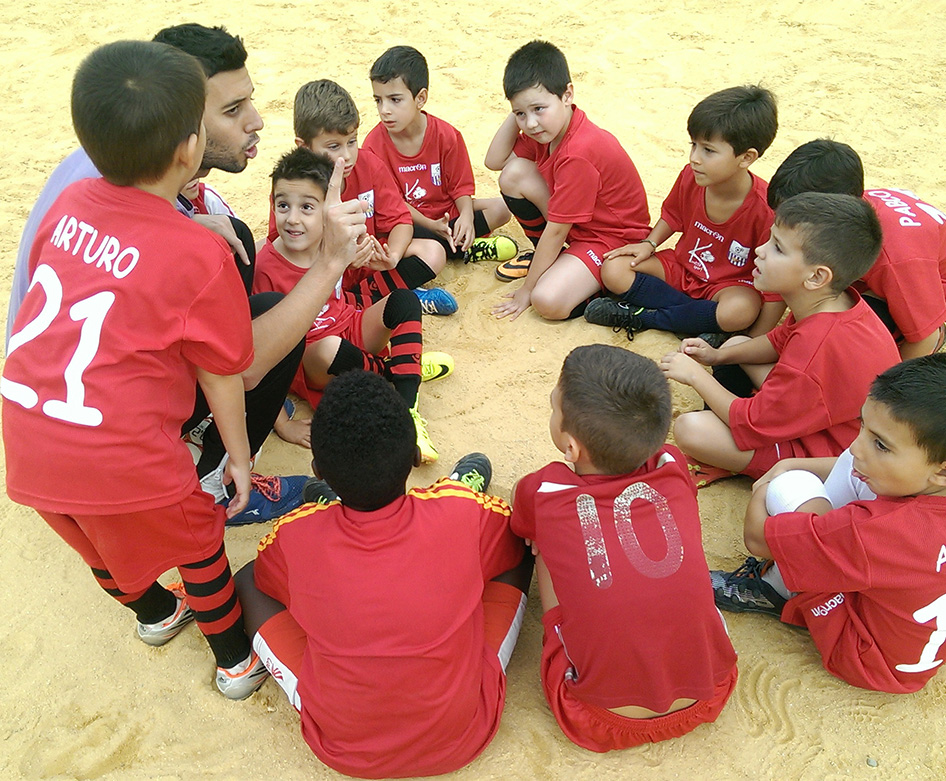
(704, 284)
(388, 617)
(566, 181)
(343, 336)
(634, 650)
(906, 287)
(813, 370)
(429, 160)
(106, 350)
(864, 569)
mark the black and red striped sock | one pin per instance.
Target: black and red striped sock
(528, 215)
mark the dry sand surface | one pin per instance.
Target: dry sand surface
(83, 698)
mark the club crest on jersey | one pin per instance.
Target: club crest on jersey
(435, 174)
(368, 198)
(738, 255)
(699, 257)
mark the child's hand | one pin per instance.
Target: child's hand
(518, 303)
(463, 233)
(700, 351)
(636, 252)
(381, 260)
(785, 465)
(297, 432)
(680, 367)
(364, 252)
(442, 228)
(239, 475)
(533, 546)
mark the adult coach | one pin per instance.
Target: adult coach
(280, 322)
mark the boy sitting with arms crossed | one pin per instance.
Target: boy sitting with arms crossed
(429, 160)
(343, 336)
(906, 287)
(868, 577)
(704, 284)
(566, 181)
(648, 657)
(811, 371)
(388, 619)
(106, 350)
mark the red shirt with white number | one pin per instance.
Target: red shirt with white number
(626, 560)
(127, 297)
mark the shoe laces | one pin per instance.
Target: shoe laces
(481, 250)
(269, 486)
(473, 479)
(751, 569)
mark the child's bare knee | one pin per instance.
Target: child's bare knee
(616, 276)
(688, 431)
(737, 315)
(549, 304)
(516, 176)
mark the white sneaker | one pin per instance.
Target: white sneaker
(241, 680)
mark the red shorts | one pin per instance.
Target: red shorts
(598, 729)
(765, 458)
(281, 643)
(591, 253)
(351, 331)
(137, 547)
(678, 277)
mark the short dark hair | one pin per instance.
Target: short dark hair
(838, 231)
(323, 107)
(403, 62)
(303, 163)
(820, 166)
(914, 393)
(363, 440)
(744, 117)
(214, 47)
(537, 64)
(133, 104)
(616, 404)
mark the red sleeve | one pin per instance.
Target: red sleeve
(577, 182)
(270, 572)
(913, 290)
(672, 210)
(390, 208)
(457, 170)
(523, 511)
(526, 148)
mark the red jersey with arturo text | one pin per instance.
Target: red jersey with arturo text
(910, 273)
(626, 560)
(872, 577)
(433, 179)
(810, 403)
(127, 297)
(592, 182)
(397, 678)
(716, 252)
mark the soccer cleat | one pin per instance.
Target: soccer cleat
(436, 301)
(617, 314)
(494, 248)
(428, 453)
(704, 474)
(318, 492)
(162, 631)
(241, 680)
(474, 471)
(744, 591)
(434, 366)
(514, 269)
(270, 497)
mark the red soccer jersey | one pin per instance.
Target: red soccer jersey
(592, 183)
(872, 577)
(910, 273)
(626, 560)
(274, 272)
(397, 679)
(810, 403)
(209, 201)
(435, 177)
(716, 252)
(127, 297)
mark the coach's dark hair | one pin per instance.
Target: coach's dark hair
(744, 117)
(403, 62)
(133, 103)
(323, 107)
(363, 440)
(914, 393)
(537, 64)
(214, 47)
(303, 163)
(820, 166)
(838, 231)
(616, 404)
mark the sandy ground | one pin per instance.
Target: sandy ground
(82, 698)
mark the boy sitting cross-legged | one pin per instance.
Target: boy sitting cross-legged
(343, 336)
(388, 617)
(813, 370)
(704, 284)
(860, 560)
(634, 650)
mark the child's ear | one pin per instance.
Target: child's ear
(420, 99)
(315, 469)
(417, 457)
(569, 95)
(299, 141)
(187, 152)
(819, 277)
(573, 449)
(748, 157)
(938, 476)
